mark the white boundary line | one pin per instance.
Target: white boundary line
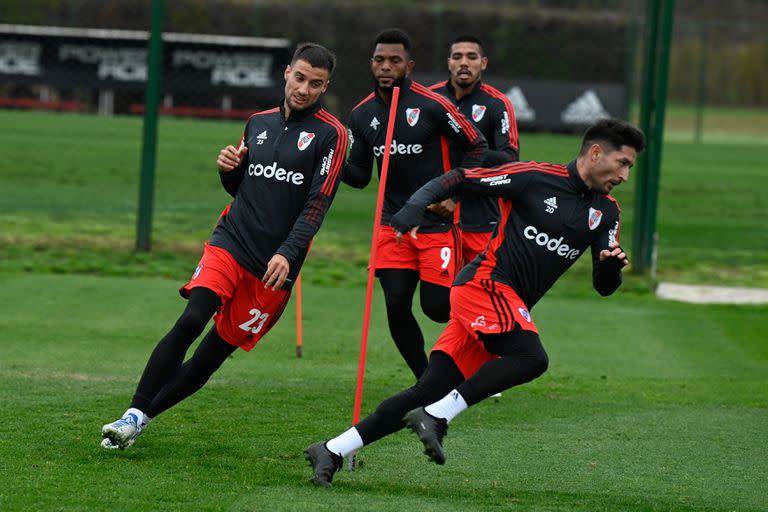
(711, 294)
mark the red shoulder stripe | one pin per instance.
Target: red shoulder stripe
(263, 112)
(514, 137)
(450, 107)
(516, 167)
(339, 151)
(613, 199)
(438, 85)
(447, 105)
(365, 100)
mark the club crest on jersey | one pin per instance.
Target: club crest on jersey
(412, 115)
(478, 111)
(525, 314)
(595, 216)
(305, 139)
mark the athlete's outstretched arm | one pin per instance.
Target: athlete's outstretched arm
(435, 190)
(321, 193)
(608, 258)
(507, 181)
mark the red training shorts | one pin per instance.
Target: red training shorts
(248, 309)
(480, 306)
(473, 244)
(433, 255)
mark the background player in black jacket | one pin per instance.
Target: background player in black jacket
(493, 114)
(425, 125)
(550, 215)
(283, 177)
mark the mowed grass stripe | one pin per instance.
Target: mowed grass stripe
(647, 406)
(72, 206)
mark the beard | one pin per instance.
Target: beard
(397, 82)
(298, 108)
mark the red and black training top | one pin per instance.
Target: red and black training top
(425, 125)
(283, 187)
(549, 217)
(492, 113)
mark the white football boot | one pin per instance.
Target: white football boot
(121, 433)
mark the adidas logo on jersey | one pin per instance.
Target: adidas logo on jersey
(260, 138)
(551, 204)
(375, 123)
(586, 109)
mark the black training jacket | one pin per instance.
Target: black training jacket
(283, 187)
(549, 217)
(425, 125)
(492, 113)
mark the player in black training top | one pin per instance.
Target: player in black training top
(283, 177)
(550, 215)
(493, 114)
(425, 125)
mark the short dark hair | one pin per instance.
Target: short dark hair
(468, 38)
(615, 133)
(317, 55)
(393, 36)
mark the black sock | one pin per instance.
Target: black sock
(440, 377)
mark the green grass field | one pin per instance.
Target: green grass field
(647, 405)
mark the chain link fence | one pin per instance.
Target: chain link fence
(225, 58)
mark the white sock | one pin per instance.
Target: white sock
(447, 407)
(346, 443)
(136, 412)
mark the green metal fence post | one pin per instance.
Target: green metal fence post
(657, 141)
(701, 91)
(149, 144)
(629, 74)
(646, 109)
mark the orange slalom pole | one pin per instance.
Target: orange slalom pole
(372, 260)
(299, 333)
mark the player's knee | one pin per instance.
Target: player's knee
(437, 311)
(538, 363)
(436, 301)
(396, 302)
(193, 319)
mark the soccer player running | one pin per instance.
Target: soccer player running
(425, 125)
(493, 114)
(283, 176)
(550, 215)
